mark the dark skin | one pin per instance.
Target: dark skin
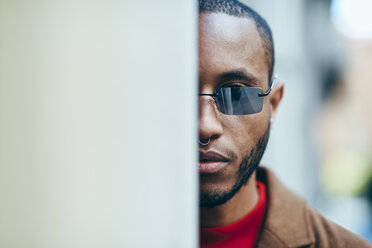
(231, 52)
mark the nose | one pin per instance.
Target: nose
(210, 126)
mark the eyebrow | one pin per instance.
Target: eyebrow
(240, 74)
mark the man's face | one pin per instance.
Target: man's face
(231, 52)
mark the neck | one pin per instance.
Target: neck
(235, 209)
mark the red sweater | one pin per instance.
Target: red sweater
(242, 233)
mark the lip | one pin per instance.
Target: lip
(211, 162)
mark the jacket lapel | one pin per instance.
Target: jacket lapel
(286, 222)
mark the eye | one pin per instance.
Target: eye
(233, 87)
(234, 84)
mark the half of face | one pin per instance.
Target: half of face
(231, 53)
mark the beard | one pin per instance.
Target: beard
(249, 164)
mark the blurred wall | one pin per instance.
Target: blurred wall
(97, 124)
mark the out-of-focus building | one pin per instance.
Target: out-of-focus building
(345, 136)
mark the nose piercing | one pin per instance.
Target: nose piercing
(204, 143)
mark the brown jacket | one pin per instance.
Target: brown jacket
(290, 222)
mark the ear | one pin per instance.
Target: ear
(275, 98)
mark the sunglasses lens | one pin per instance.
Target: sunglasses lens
(239, 100)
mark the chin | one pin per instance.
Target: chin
(213, 195)
(219, 184)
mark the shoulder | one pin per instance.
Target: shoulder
(290, 222)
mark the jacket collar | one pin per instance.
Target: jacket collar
(286, 222)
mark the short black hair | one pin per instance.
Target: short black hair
(236, 8)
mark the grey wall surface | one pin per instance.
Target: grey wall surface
(98, 124)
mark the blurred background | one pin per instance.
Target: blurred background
(322, 139)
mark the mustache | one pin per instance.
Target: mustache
(228, 153)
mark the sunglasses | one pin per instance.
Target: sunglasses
(240, 100)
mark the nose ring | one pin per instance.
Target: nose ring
(204, 143)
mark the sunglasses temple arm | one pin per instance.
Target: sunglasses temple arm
(271, 87)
